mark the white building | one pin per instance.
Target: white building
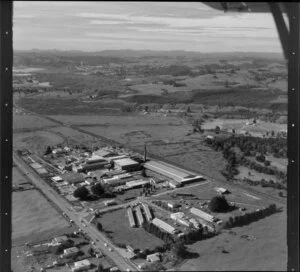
(163, 225)
(152, 258)
(81, 265)
(202, 214)
(60, 239)
(69, 252)
(57, 179)
(136, 183)
(126, 164)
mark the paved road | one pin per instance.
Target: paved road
(98, 238)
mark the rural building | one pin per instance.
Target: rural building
(90, 181)
(196, 224)
(114, 269)
(81, 265)
(57, 179)
(221, 190)
(174, 184)
(152, 258)
(202, 214)
(118, 157)
(95, 159)
(114, 172)
(147, 211)
(120, 188)
(93, 166)
(139, 215)
(177, 174)
(131, 249)
(127, 164)
(103, 153)
(154, 180)
(123, 176)
(41, 171)
(173, 205)
(163, 225)
(180, 218)
(60, 239)
(177, 215)
(183, 221)
(110, 202)
(114, 181)
(136, 183)
(73, 178)
(70, 252)
(36, 165)
(131, 218)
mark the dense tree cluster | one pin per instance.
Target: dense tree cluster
(218, 204)
(166, 237)
(266, 183)
(81, 193)
(236, 148)
(248, 144)
(247, 218)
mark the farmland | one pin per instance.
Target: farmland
(243, 255)
(159, 103)
(33, 216)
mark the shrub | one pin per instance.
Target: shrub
(218, 204)
(81, 192)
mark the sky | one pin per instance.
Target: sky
(97, 26)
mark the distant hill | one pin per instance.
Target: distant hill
(151, 53)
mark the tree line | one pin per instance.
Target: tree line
(247, 218)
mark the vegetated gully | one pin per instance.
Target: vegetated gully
(151, 155)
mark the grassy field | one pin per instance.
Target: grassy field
(36, 141)
(23, 122)
(267, 253)
(33, 216)
(117, 224)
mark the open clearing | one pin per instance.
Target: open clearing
(267, 253)
(117, 224)
(26, 121)
(33, 216)
(36, 141)
(239, 125)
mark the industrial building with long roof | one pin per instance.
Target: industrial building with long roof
(179, 175)
(163, 225)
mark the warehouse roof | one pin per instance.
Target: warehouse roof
(103, 153)
(85, 262)
(163, 225)
(35, 165)
(126, 162)
(135, 183)
(153, 257)
(167, 170)
(70, 250)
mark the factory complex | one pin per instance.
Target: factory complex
(67, 169)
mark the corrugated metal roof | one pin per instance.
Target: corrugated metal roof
(163, 225)
(126, 162)
(167, 170)
(202, 214)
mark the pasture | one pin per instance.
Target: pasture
(117, 225)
